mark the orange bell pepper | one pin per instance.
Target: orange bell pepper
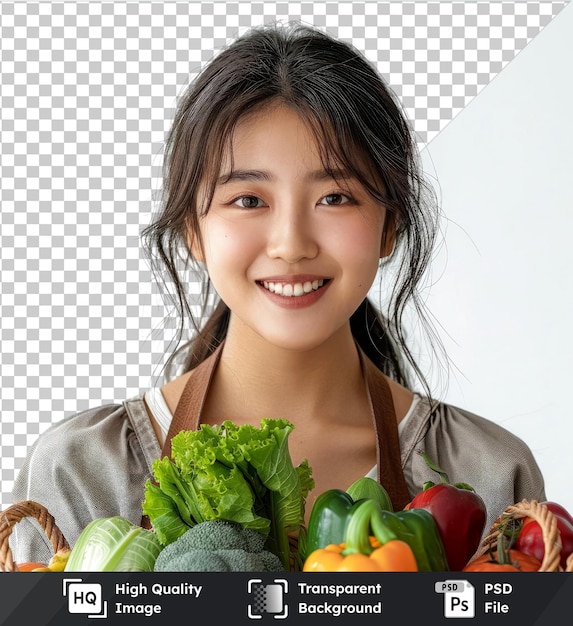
(394, 556)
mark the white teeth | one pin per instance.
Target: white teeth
(293, 289)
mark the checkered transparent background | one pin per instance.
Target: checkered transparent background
(87, 92)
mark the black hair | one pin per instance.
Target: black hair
(359, 124)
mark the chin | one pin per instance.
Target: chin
(297, 341)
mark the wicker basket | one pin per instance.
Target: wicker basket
(17, 512)
(546, 520)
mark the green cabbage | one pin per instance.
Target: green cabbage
(114, 544)
(242, 474)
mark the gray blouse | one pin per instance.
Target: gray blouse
(95, 464)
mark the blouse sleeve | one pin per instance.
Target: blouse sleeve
(89, 465)
(474, 450)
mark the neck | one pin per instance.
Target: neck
(278, 382)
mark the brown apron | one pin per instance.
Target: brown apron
(390, 475)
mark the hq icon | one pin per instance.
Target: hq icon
(84, 598)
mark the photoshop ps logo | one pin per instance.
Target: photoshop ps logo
(267, 599)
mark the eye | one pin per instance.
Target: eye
(335, 199)
(248, 202)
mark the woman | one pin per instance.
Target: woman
(291, 178)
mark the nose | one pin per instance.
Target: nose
(291, 235)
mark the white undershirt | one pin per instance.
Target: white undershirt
(157, 405)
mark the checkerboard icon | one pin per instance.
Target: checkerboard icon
(267, 599)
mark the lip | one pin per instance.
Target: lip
(299, 301)
(292, 278)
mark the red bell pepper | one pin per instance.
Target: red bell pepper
(530, 537)
(460, 515)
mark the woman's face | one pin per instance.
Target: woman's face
(289, 249)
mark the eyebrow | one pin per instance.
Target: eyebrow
(248, 175)
(262, 175)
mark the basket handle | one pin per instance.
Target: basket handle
(546, 520)
(17, 512)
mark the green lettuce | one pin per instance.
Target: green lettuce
(242, 474)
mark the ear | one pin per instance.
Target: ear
(388, 241)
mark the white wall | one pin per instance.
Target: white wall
(505, 297)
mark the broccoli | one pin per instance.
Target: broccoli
(218, 546)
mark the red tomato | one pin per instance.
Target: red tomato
(530, 539)
(556, 509)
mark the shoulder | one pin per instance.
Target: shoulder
(82, 442)
(470, 448)
(440, 421)
(109, 427)
(90, 464)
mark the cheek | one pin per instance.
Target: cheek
(228, 243)
(359, 242)
(359, 254)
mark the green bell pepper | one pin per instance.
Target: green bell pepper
(419, 530)
(328, 520)
(332, 510)
(337, 519)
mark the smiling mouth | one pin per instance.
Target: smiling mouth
(293, 290)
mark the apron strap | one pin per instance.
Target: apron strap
(388, 457)
(187, 414)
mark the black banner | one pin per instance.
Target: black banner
(43, 599)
